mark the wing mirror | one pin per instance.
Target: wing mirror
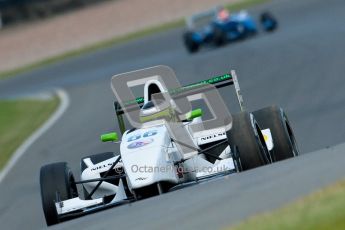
(194, 114)
(109, 137)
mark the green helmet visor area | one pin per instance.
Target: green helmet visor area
(167, 114)
(170, 115)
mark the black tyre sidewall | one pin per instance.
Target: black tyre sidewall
(284, 142)
(55, 178)
(190, 44)
(253, 153)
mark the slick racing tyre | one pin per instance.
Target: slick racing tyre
(268, 22)
(245, 136)
(284, 142)
(95, 159)
(57, 184)
(189, 42)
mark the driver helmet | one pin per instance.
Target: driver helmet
(150, 112)
(223, 14)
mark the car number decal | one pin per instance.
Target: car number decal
(150, 133)
(138, 136)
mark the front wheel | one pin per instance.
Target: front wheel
(57, 184)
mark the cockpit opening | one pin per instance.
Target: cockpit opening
(152, 89)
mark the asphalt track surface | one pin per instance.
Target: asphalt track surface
(299, 67)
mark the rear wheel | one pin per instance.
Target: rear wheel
(284, 142)
(237, 159)
(57, 184)
(268, 21)
(245, 136)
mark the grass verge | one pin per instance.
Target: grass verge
(324, 209)
(117, 40)
(20, 118)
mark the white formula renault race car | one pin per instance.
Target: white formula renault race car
(169, 147)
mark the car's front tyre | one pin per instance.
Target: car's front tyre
(57, 183)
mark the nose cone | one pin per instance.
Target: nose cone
(150, 166)
(145, 158)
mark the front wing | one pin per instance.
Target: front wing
(76, 207)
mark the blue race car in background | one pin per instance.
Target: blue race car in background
(218, 27)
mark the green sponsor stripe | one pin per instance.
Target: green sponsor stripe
(211, 81)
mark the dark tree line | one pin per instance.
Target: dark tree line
(14, 11)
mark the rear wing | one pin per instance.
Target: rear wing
(218, 82)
